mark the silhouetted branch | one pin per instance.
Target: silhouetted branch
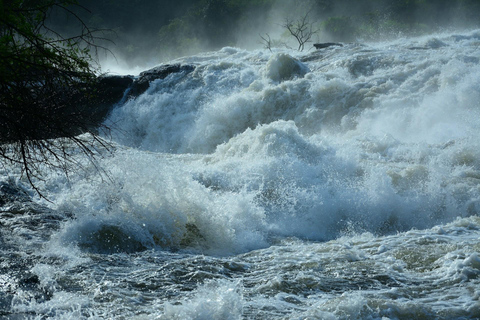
(301, 29)
(267, 41)
(47, 91)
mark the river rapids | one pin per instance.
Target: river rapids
(339, 183)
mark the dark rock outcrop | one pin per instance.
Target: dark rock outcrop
(64, 111)
(112, 88)
(141, 84)
(69, 111)
(107, 91)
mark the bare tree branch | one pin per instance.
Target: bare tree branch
(301, 29)
(47, 82)
(267, 41)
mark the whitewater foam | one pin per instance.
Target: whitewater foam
(336, 184)
(256, 146)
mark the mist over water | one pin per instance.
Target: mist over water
(341, 183)
(158, 31)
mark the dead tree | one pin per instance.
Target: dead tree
(267, 41)
(302, 30)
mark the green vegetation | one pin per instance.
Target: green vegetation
(43, 76)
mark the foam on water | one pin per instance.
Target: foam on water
(431, 274)
(377, 138)
(361, 276)
(337, 184)
(155, 201)
(221, 300)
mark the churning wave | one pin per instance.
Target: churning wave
(252, 146)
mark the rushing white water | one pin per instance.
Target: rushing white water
(341, 183)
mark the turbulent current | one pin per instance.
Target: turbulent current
(339, 183)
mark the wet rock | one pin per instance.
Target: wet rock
(105, 93)
(326, 45)
(69, 111)
(281, 67)
(141, 84)
(82, 109)
(109, 239)
(111, 88)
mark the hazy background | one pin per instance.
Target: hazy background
(148, 32)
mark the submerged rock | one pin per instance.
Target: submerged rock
(111, 89)
(10, 193)
(109, 239)
(283, 67)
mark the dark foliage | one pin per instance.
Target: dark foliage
(46, 82)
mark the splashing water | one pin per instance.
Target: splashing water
(337, 184)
